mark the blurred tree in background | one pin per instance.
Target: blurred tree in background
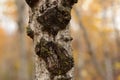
(95, 28)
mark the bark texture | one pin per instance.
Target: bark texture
(49, 29)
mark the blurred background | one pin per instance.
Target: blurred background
(95, 28)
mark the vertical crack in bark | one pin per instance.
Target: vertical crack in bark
(50, 17)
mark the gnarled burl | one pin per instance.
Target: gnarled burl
(58, 61)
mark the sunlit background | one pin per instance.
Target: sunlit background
(95, 28)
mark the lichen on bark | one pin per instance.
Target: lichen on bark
(49, 27)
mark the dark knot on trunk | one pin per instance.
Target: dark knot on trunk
(54, 20)
(57, 58)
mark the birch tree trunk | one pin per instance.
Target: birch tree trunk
(23, 71)
(105, 49)
(90, 49)
(49, 29)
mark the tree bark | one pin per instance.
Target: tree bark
(49, 29)
(23, 71)
(105, 49)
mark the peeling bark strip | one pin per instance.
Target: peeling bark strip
(48, 26)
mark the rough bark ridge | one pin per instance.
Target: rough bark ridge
(48, 27)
